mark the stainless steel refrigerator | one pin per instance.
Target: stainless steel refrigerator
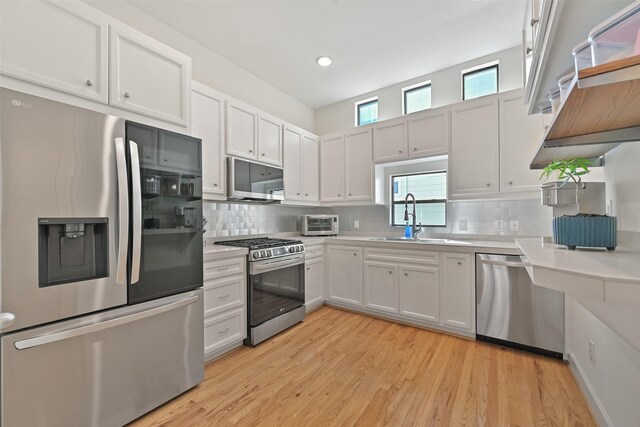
(101, 305)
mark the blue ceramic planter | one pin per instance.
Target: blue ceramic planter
(586, 231)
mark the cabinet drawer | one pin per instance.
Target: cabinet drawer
(223, 330)
(315, 251)
(224, 268)
(224, 294)
(402, 256)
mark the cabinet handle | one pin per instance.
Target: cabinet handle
(223, 296)
(224, 332)
(88, 83)
(223, 268)
(529, 50)
(127, 95)
(534, 21)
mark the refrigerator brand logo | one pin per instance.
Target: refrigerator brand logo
(18, 103)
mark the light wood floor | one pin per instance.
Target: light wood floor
(341, 368)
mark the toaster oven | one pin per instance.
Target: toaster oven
(320, 225)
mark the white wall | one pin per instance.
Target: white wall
(446, 89)
(212, 69)
(623, 185)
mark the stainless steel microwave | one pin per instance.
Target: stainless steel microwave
(320, 225)
(253, 181)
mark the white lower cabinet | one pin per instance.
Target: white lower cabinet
(345, 274)
(381, 289)
(457, 295)
(419, 292)
(314, 277)
(225, 304)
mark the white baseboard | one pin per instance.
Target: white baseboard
(597, 408)
(308, 308)
(222, 351)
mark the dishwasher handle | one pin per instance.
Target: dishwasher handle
(516, 264)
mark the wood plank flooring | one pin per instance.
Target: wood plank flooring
(345, 369)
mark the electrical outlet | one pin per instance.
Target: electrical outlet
(514, 225)
(356, 223)
(499, 225)
(463, 225)
(592, 352)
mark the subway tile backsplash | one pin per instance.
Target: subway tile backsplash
(237, 219)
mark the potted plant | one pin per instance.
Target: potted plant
(585, 229)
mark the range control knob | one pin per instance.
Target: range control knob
(269, 252)
(256, 255)
(263, 254)
(292, 249)
(301, 248)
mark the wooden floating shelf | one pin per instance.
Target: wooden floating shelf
(601, 112)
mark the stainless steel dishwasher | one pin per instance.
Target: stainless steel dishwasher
(511, 311)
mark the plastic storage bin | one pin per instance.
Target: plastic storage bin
(564, 83)
(582, 56)
(554, 98)
(618, 37)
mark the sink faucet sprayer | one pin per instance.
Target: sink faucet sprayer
(414, 231)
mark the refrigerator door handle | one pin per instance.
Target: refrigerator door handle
(84, 330)
(123, 212)
(136, 192)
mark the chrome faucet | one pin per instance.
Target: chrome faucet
(414, 231)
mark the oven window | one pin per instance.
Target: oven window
(275, 292)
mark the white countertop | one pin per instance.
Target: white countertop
(220, 251)
(621, 265)
(457, 243)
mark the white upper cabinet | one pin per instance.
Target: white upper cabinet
(61, 45)
(148, 77)
(207, 123)
(332, 164)
(269, 139)
(473, 156)
(428, 133)
(520, 137)
(242, 130)
(292, 164)
(311, 169)
(390, 141)
(359, 165)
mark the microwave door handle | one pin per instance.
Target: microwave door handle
(136, 191)
(123, 212)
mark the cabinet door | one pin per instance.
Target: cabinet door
(520, 137)
(390, 141)
(207, 123)
(457, 291)
(332, 168)
(359, 164)
(147, 139)
(419, 292)
(242, 130)
(179, 152)
(269, 139)
(381, 286)
(314, 282)
(428, 133)
(310, 172)
(345, 274)
(148, 77)
(473, 158)
(292, 165)
(63, 46)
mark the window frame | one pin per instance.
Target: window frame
(363, 103)
(479, 69)
(412, 88)
(392, 201)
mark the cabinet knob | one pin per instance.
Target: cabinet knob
(459, 262)
(308, 268)
(390, 271)
(534, 21)
(406, 274)
(165, 160)
(215, 185)
(297, 194)
(88, 83)
(488, 184)
(263, 154)
(350, 194)
(251, 151)
(127, 95)
(306, 194)
(355, 254)
(339, 195)
(529, 50)
(400, 151)
(415, 148)
(510, 182)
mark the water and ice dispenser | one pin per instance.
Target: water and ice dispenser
(72, 250)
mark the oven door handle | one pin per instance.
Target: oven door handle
(270, 265)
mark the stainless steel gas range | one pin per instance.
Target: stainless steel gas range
(275, 285)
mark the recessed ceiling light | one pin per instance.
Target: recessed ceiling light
(324, 61)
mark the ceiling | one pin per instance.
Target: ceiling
(373, 44)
